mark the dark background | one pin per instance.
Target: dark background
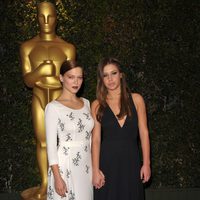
(158, 43)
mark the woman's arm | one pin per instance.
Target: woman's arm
(98, 177)
(51, 121)
(60, 185)
(145, 172)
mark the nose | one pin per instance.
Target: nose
(110, 77)
(76, 80)
(46, 19)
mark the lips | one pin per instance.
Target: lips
(75, 87)
(111, 84)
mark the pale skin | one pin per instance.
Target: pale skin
(112, 83)
(71, 81)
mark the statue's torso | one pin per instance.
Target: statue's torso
(48, 51)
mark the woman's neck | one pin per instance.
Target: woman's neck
(114, 94)
(66, 96)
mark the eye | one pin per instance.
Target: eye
(114, 73)
(80, 77)
(105, 75)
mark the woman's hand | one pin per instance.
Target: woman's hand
(145, 173)
(98, 179)
(60, 186)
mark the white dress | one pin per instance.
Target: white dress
(68, 134)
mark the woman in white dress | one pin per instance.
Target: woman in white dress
(68, 129)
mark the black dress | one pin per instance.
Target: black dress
(119, 158)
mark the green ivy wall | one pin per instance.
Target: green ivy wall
(158, 44)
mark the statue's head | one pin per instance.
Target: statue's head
(47, 17)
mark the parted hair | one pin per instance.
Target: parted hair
(68, 65)
(101, 91)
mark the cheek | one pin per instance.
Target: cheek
(67, 81)
(105, 81)
(118, 78)
(80, 81)
(52, 22)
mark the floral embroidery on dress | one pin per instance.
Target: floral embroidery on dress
(71, 195)
(86, 148)
(87, 116)
(68, 173)
(62, 126)
(77, 159)
(73, 131)
(65, 150)
(80, 125)
(49, 172)
(87, 169)
(50, 193)
(87, 137)
(69, 137)
(71, 116)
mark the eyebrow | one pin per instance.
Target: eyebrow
(75, 75)
(110, 71)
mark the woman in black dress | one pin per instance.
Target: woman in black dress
(120, 117)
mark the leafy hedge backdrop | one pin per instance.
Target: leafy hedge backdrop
(158, 43)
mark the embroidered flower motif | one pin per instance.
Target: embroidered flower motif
(65, 150)
(87, 169)
(77, 159)
(68, 136)
(71, 195)
(87, 115)
(62, 126)
(49, 172)
(80, 125)
(87, 137)
(86, 148)
(71, 116)
(50, 192)
(68, 173)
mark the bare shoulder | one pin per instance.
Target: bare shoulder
(137, 97)
(138, 100)
(95, 106)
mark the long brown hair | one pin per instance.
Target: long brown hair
(125, 104)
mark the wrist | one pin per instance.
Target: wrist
(57, 177)
(96, 170)
(146, 164)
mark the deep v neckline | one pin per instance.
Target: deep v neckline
(121, 127)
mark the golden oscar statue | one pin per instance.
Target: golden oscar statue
(41, 59)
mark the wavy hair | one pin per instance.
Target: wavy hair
(101, 91)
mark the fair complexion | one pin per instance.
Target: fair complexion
(112, 81)
(71, 81)
(145, 172)
(98, 178)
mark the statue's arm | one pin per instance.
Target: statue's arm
(70, 52)
(26, 66)
(31, 76)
